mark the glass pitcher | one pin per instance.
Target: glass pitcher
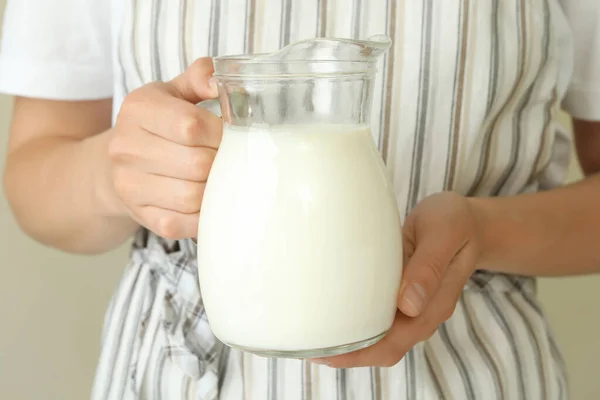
(299, 240)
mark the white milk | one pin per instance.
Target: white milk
(299, 241)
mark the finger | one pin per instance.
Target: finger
(168, 223)
(442, 305)
(425, 270)
(158, 111)
(155, 155)
(187, 125)
(386, 353)
(195, 84)
(139, 189)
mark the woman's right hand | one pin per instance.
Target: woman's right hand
(162, 149)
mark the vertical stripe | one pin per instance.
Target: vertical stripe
(156, 70)
(157, 378)
(471, 99)
(435, 371)
(150, 332)
(248, 377)
(482, 347)
(494, 57)
(322, 18)
(491, 99)
(436, 382)
(534, 342)
(524, 101)
(223, 363)
(249, 31)
(535, 86)
(558, 361)
(185, 388)
(143, 38)
(286, 14)
(242, 355)
(396, 87)
(356, 19)
(548, 110)
(108, 365)
(120, 60)
(272, 379)
(457, 104)
(215, 23)
(521, 61)
(388, 81)
(183, 56)
(560, 372)
(384, 91)
(500, 317)
(189, 31)
(375, 377)
(306, 381)
(537, 166)
(341, 384)
(423, 104)
(284, 39)
(458, 360)
(411, 374)
(134, 48)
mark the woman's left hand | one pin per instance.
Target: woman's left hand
(440, 252)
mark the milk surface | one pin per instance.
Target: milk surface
(299, 240)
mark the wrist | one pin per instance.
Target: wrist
(104, 198)
(483, 212)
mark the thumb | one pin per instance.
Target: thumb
(196, 83)
(424, 272)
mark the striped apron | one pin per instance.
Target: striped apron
(465, 100)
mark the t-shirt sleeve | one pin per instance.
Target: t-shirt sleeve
(59, 49)
(582, 99)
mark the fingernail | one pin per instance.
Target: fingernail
(213, 86)
(413, 300)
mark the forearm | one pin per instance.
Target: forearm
(60, 192)
(548, 233)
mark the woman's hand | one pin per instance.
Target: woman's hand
(162, 150)
(441, 250)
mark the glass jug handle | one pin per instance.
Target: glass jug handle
(214, 107)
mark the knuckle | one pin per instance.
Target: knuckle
(191, 196)
(436, 268)
(137, 101)
(117, 148)
(168, 227)
(189, 127)
(201, 162)
(122, 148)
(133, 102)
(114, 148)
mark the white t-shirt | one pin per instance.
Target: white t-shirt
(63, 50)
(57, 49)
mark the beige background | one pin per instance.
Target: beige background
(52, 305)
